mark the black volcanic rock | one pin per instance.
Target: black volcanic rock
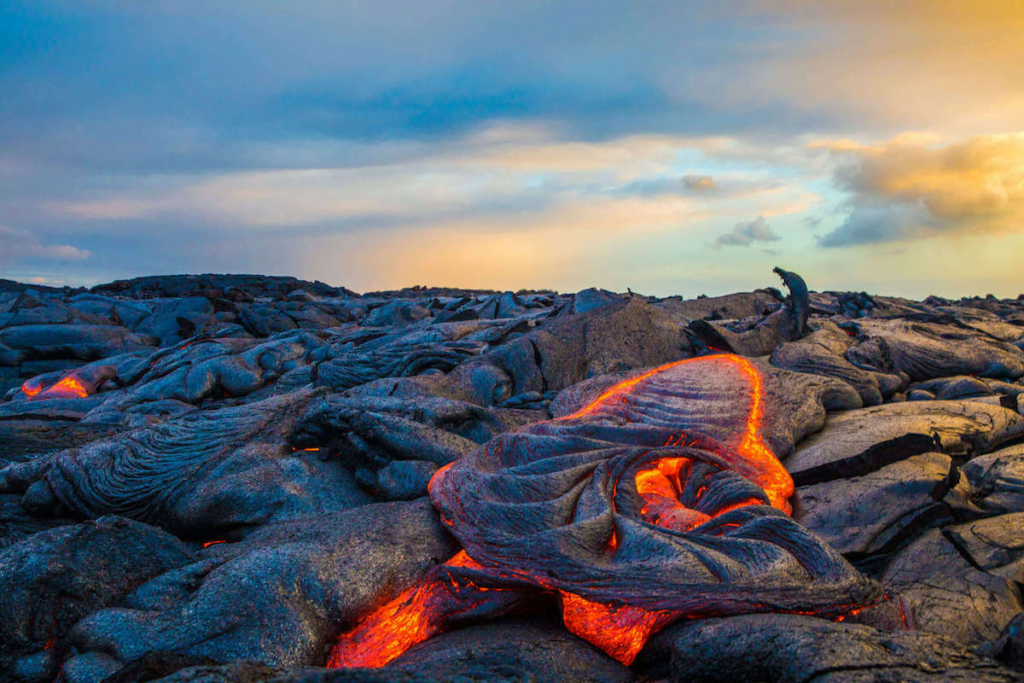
(512, 650)
(947, 594)
(823, 353)
(782, 648)
(1009, 647)
(997, 481)
(79, 341)
(925, 350)
(868, 513)
(993, 544)
(200, 475)
(160, 286)
(32, 435)
(856, 442)
(278, 596)
(272, 419)
(57, 576)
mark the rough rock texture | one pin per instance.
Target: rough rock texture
(860, 441)
(280, 595)
(993, 544)
(869, 513)
(823, 353)
(947, 594)
(513, 650)
(204, 474)
(578, 475)
(781, 648)
(996, 481)
(252, 435)
(57, 576)
(925, 350)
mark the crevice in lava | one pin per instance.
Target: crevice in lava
(539, 360)
(709, 337)
(871, 460)
(961, 550)
(827, 673)
(874, 564)
(949, 483)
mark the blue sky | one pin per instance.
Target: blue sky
(670, 147)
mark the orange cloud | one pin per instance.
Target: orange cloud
(920, 188)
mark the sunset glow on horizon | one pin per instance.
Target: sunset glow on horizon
(668, 147)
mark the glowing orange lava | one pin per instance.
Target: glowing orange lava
(414, 616)
(620, 630)
(623, 387)
(68, 387)
(771, 476)
(388, 632)
(757, 461)
(659, 487)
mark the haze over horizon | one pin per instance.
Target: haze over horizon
(669, 147)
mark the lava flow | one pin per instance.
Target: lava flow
(756, 460)
(417, 614)
(68, 387)
(31, 388)
(617, 627)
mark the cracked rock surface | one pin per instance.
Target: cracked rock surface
(210, 478)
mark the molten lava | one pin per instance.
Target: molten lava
(619, 631)
(68, 387)
(757, 461)
(392, 629)
(414, 616)
(454, 591)
(30, 388)
(771, 475)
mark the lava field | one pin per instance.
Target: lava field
(241, 478)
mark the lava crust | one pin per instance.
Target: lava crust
(246, 478)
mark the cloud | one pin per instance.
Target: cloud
(699, 183)
(148, 135)
(515, 169)
(745, 234)
(913, 187)
(16, 245)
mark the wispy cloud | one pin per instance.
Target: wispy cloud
(577, 142)
(476, 179)
(745, 234)
(699, 183)
(17, 245)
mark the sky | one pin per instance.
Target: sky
(669, 147)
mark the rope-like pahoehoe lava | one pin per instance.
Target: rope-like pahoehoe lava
(658, 501)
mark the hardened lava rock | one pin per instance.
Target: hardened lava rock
(225, 478)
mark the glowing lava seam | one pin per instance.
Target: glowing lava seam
(620, 630)
(68, 387)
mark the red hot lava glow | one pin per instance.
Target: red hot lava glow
(621, 631)
(68, 387)
(30, 388)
